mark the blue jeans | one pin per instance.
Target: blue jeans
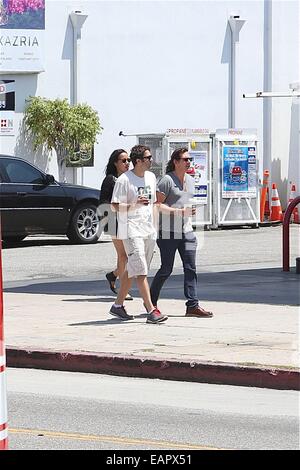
(186, 247)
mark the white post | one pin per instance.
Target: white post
(77, 19)
(267, 85)
(294, 148)
(236, 25)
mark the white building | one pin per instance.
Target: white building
(146, 66)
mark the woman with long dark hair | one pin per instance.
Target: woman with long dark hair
(117, 164)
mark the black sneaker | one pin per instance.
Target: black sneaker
(156, 317)
(121, 313)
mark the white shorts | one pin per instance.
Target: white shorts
(139, 253)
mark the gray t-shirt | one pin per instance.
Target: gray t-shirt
(177, 195)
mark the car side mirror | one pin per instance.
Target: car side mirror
(49, 179)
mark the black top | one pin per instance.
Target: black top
(108, 218)
(107, 189)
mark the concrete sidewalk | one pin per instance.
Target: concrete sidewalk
(252, 339)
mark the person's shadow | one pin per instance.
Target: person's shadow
(110, 321)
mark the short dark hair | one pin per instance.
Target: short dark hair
(137, 153)
(176, 155)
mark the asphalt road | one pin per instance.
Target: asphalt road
(218, 251)
(62, 410)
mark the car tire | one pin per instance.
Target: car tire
(85, 225)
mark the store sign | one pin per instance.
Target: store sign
(186, 132)
(82, 156)
(7, 107)
(7, 123)
(198, 170)
(22, 27)
(239, 171)
(7, 95)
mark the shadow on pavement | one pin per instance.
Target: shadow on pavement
(109, 321)
(41, 242)
(97, 299)
(265, 286)
(113, 321)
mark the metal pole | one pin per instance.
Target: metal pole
(286, 234)
(233, 79)
(77, 19)
(272, 94)
(236, 23)
(3, 403)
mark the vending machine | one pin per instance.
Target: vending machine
(236, 178)
(199, 145)
(155, 143)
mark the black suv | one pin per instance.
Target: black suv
(32, 202)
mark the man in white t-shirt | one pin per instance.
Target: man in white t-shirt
(134, 197)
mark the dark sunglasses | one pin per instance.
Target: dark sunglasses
(148, 158)
(125, 160)
(186, 159)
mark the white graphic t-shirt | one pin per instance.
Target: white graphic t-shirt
(138, 220)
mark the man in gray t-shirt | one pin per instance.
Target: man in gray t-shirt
(175, 195)
(176, 189)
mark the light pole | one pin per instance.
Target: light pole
(77, 19)
(236, 24)
(294, 144)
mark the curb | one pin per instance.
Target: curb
(207, 372)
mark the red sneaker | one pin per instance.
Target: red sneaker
(156, 317)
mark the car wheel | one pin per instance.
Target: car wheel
(85, 225)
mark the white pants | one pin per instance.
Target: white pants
(139, 253)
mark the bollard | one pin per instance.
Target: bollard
(286, 234)
(3, 404)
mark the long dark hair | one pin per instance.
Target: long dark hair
(111, 167)
(176, 155)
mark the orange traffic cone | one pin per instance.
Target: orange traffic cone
(296, 216)
(267, 205)
(263, 194)
(292, 196)
(276, 211)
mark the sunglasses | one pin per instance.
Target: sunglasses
(186, 159)
(148, 158)
(125, 160)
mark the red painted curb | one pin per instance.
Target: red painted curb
(214, 373)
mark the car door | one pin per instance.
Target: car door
(10, 219)
(30, 204)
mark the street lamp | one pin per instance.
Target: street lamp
(236, 24)
(77, 19)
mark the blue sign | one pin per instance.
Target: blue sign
(239, 171)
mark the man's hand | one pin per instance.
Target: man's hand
(143, 200)
(189, 211)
